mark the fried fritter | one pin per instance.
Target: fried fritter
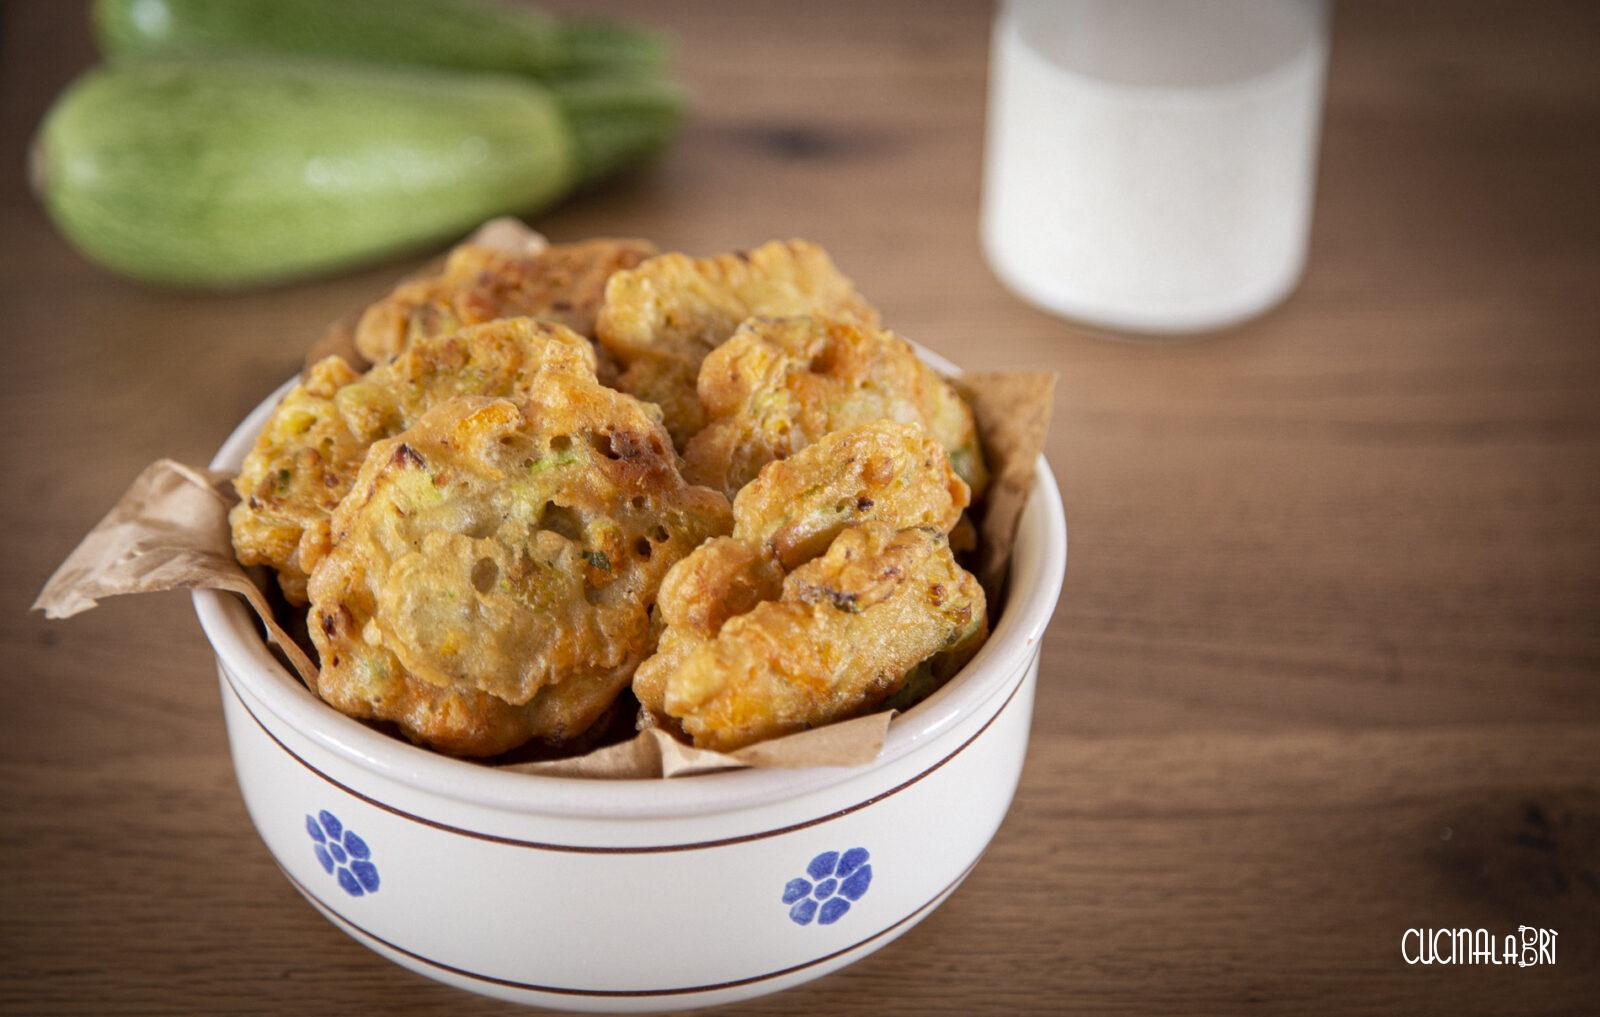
(892, 476)
(780, 384)
(892, 472)
(845, 634)
(563, 283)
(494, 566)
(722, 578)
(300, 467)
(662, 318)
(466, 722)
(307, 456)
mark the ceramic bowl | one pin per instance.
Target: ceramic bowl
(638, 894)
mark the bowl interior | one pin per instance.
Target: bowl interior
(1037, 569)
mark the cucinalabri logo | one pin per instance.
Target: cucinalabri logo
(1525, 948)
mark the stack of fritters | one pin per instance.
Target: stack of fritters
(493, 567)
(837, 582)
(779, 384)
(482, 527)
(661, 319)
(307, 456)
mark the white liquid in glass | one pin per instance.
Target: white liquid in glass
(1151, 163)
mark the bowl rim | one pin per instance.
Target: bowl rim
(1037, 572)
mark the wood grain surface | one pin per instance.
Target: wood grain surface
(1328, 662)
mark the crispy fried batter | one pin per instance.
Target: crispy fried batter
(494, 566)
(847, 631)
(779, 384)
(563, 283)
(289, 484)
(307, 456)
(720, 579)
(881, 470)
(891, 477)
(466, 722)
(662, 318)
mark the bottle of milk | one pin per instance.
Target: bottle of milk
(1151, 164)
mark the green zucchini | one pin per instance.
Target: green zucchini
(219, 174)
(455, 34)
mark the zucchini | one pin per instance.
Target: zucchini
(453, 34)
(203, 173)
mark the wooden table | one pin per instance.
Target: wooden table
(1326, 667)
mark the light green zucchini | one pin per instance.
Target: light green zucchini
(222, 174)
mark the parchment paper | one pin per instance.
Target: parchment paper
(654, 753)
(1012, 411)
(169, 532)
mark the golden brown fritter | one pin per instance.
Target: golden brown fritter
(779, 384)
(662, 318)
(494, 566)
(466, 722)
(301, 465)
(893, 472)
(722, 578)
(890, 476)
(563, 283)
(306, 457)
(844, 635)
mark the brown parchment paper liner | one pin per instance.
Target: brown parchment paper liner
(654, 753)
(170, 531)
(1012, 410)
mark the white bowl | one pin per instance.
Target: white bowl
(637, 894)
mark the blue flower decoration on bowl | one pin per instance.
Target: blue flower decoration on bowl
(833, 881)
(342, 854)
